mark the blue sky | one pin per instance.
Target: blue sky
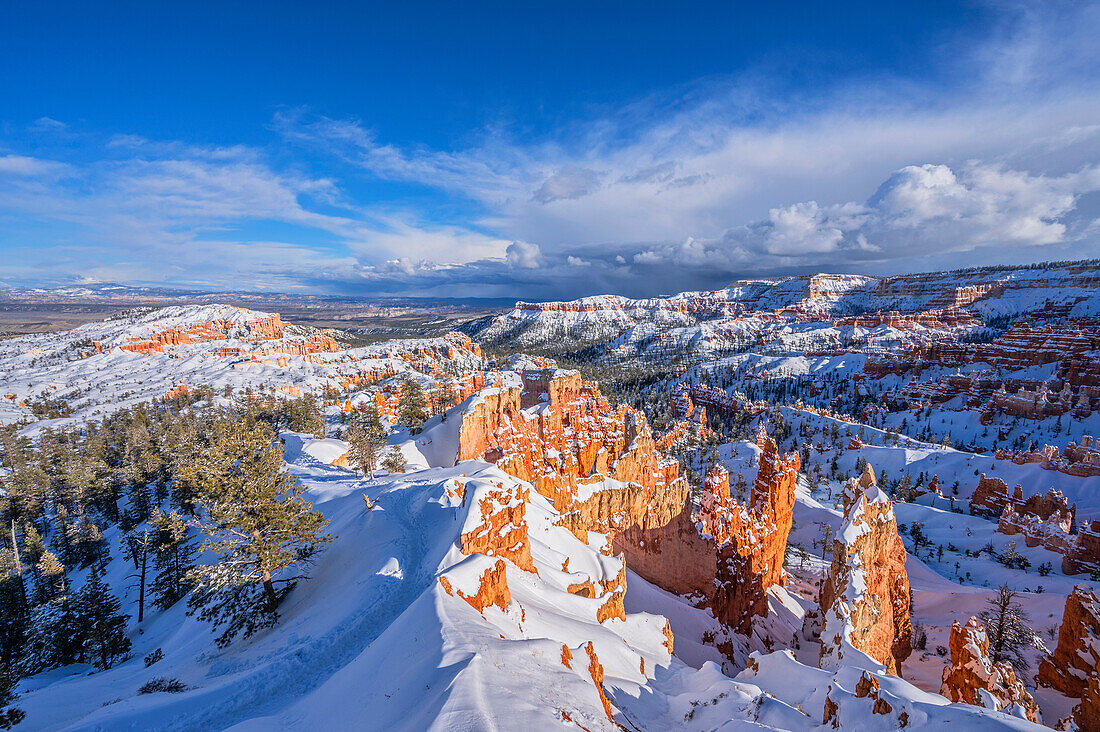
(541, 151)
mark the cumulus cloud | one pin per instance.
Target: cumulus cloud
(523, 255)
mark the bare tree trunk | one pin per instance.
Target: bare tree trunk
(144, 563)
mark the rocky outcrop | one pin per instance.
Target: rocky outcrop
(1076, 658)
(595, 670)
(992, 495)
(751, 540)
(1044, 520)
(1084, 555)
(599, 467)
(1081, 460)
(492, 589)
(1087, 714)
(574, 436)
(865, 600)
(503, 528)
(972, 678)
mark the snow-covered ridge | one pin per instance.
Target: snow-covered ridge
(830, 300)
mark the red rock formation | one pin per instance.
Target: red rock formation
(178, 391)
(865, 600)
(1081, 460)
(992, 495)
(503, 528)
(492, 589)
(751, 540)
(595, 670)
(972, 678)
(1084, 555)
(1077, 655)
(559, 433)
(725, 404)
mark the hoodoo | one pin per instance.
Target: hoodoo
(972, 678)
(865, 600)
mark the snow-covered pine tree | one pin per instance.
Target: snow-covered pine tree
(51, 581)
(101, 623)
(257, 521)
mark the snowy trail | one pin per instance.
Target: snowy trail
(365, 608)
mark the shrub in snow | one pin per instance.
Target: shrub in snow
(172, 686)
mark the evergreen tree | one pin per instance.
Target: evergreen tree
(137, 546)
(101, 623)
(174, 558)
(1006, 624)
(54, 638)
(260, 525)
(412, 409)
(51, 582)
(9, 716)
(13, 609)
(367, 438)
(446, 398)
(394, 462)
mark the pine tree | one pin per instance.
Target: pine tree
(54, 638)
(1006, 624)
(13, 609)
(367, 438)
(9, 716)
(260, 525)
(446, 398)
(174, 558)
(101, 622)
(137, 546)
(52, 582)
(394, 462)
(412, 409)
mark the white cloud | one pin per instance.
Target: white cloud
(577, 261)
(568, 183)
(28, 167)
(523, 255)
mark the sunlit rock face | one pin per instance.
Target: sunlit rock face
(750, 540)
(865, 600)
(972, 678)
(600, 467)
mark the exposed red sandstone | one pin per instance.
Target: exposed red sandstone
(1076, 658)
(1044, 520)
(992, 495)
(1084, 555)
(595, 670)
(503, 528)
(556, 431)
(865, 600)
(1081, 460)
(751, 540)
(972, 678)
(492, 589)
